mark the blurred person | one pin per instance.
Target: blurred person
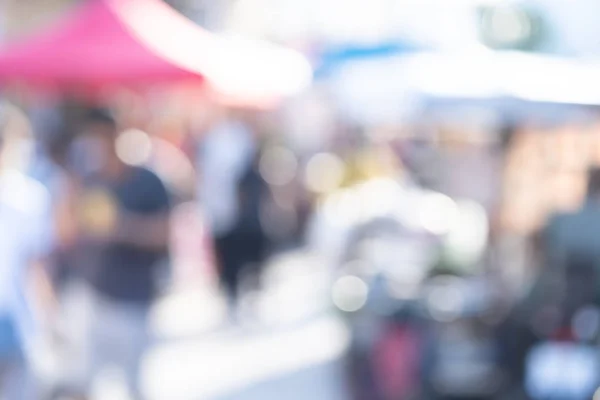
(227, 152)
(25, 242)
(569, 243)
(576, 233)
(115, 219)
(50, 168)
(243, 252)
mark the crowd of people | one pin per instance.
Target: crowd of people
(86, 234)
(88, 196)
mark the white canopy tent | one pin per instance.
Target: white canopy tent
(393, 88)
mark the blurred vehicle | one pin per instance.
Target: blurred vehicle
(383, 260)
(563, 369)
(377, 290)
(410, 328)
(564, 361)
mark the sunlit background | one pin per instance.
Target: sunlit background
(413, 157)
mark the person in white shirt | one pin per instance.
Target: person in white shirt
(225, 154)
(25, 240)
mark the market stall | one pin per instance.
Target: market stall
(140, 43)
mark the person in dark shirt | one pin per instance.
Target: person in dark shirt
(575, 233)
(241, 252)
(116, 221)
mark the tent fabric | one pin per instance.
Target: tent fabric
(138, 42)
(98, 44)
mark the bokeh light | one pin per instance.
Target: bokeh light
(324, 173)
(446, 299)
(350, 293)
(278, 166)
(438, 213)
(134, 147)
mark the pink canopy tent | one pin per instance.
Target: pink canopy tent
(134, 43)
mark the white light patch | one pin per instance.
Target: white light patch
(438, 213)
(324, 173)
(278, 166)
(350, 293)
(446, 301)
(134, 147)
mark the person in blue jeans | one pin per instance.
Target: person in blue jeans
(25, 241)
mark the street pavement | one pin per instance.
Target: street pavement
(291, 346)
